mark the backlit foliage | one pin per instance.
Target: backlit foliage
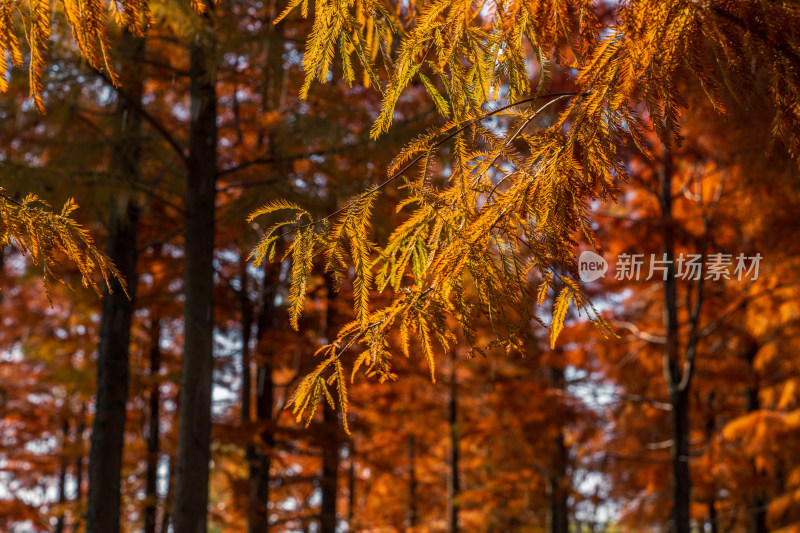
(29, 21)
(524, 163)
(51, 237)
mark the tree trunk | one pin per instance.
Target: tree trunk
(453, 481)
(412, 482)
(713, 520)
(108, 429)
(759, 502)
(558, 518)
(260, 457)
(151, 477)
(329, 431)
(62, 476)
(330, 469)
(78, 497)
(679, 398)
(246, 310)
(166, 516)
(194, 429)
(262, 460)
(711, 429)
(351, 486)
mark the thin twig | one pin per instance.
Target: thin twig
(420, 156)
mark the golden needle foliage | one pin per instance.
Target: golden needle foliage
(516, 195)
(49, 237)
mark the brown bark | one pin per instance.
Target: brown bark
(78, 498)
(351, 486)
(677, 373)
(62, 476)
(713, 520)
(330, 469)
(246, 310)
(329, 431)
(558, 515)
(679, 400)
(412, 482)
(151, 476)
(194, 429)
(260, 457)
(759, 502)
(108, 429)
(453, 478)
(166, 516)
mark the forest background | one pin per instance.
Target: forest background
(679, 412)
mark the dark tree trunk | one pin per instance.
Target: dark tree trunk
(78, 497)
(108, 429)
(557, 482)
(678, 391)
(246, 309)
(711, 429)
(194, 429)
(759, 502)
(166, 516)
(260, 457)
(62, 476)
(412, 481)
(330, 469)
(453, 479)
(151, 477)
(679, 401)
(351, 486)
(713, 521)
(329, 431)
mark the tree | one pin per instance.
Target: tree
(516, 201)
(27, 224)
(108, 430)
(494, 223)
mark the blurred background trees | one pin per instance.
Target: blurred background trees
(589, 436)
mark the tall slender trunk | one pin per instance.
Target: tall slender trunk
(329, 431)
(558, 518)
(262, 461)
(194, 427)
(678, 393)
(759, 502)
(412, 481)
(679, 401)
(78, 496)
(62, 476)
(151, 477)
(330, 469)
(351, 486)
(166, 516)
(260, 456)
(713, 519)
(246, 310)
(257, 520)
(711, 428)
(453, 478)
(108, 429)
